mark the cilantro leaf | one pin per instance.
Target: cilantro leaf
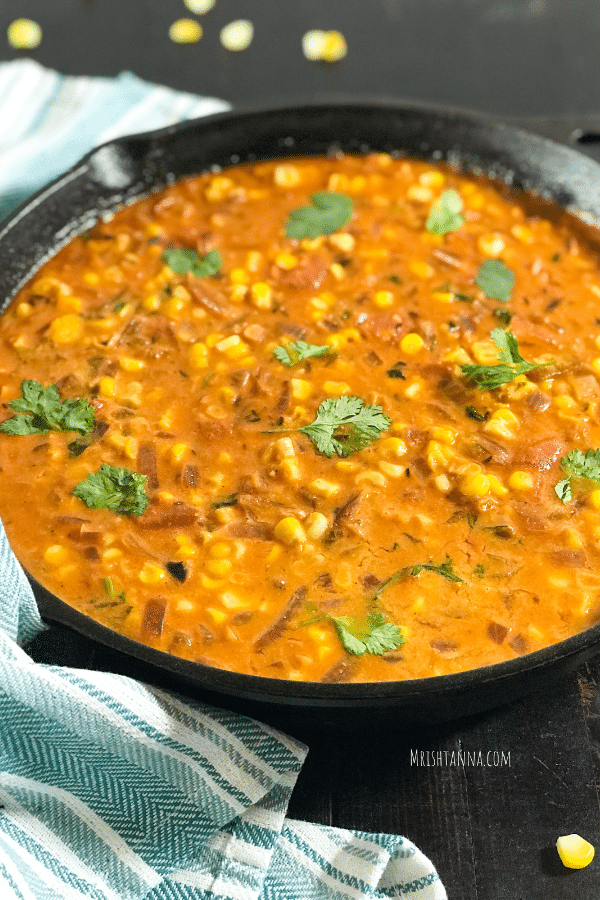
(183, 260)
(330, 212)
(578, 465)
(444, 215)
(47, 412)
(503, 316)
(294, 352)
(445, 570)
(511, 363)
(375, 634)
(495, 280)
(118, 490)
(346, 425)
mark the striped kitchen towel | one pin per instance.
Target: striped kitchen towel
(115, 790)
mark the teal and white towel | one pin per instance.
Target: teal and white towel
(115, 790)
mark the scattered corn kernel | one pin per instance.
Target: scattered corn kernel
(55, 555)
(412, 343)
(442, 483)
(391, 469)
(594, 499)
(289, 531)
(383, 299)
(300, 388)
(260, 293)
(420, 193)
(574, 851)
(420, 268)
(445, 435)
(521, 481)
(336, 388)
(24, 34)
(66, 329)
(151, 574)
(316, 525)
(342, 241)
(219, 550)
(372, 476)
(393, 446)
(185, 31)
(287, 175)
(476, 485)
(106, 387)
(328, 46)
(491, 245)
(497, 489)
(131, 365)
(221, 568)
(237, 35)
(217, 615)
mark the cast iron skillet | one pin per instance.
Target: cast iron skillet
(126, 169)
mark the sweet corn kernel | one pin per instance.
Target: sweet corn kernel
(371, 476)
(221, 568)
(211, 584)
(419, 192)
(594, 499)
(111, 554)
(334, 47)
(336, 388)
(287, 175)
(260, 293)
(521, 481)
(66, 329)
(286, 261)
(458, 356)
(24, 34)
(393, 446)
(106, 387)
(338, 271)
(178, 451)
(414, 388)
(431, 178)
(342, 241)
(233, 347)
(237, 35)
(151, 302)
(420, 268)
(239, 276)
(130, 448)
(186, 551)
(185, 606)
(316, 525)
(391, 469)
(290, 470)
(217, 615)
(443, 296)
(442, 483)
(445, 435)
(497, 489)
(522, 233)
(219, 189)
(55, 555)
(412, 343)
(347, 465)
(219, 550)
(130, 364)
(199, 356)
(323, 488)
(300, 388)
(476, 485)
(573, 539)
(383, 299)
(565, 403)
(438, 455)
(151, 574)
(67, 303)
(289, 531)
(185, 31)
(574, 851)
(491, 245)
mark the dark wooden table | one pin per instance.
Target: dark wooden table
(490, 828)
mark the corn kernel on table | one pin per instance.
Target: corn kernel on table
(486, 797)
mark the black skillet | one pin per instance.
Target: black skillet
(126, 169)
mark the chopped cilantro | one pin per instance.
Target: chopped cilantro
(396, 279)
(119, 490)
(230, 500)
(47, 412)
(445, 570)
(119, 306)
(183, 260)
(578, 465)
(330, 212)
(511, 364)
(346, 425)
(292, 353)
(375, 634)
(495, 280)
(465, 298)
(479, 570)
(444, 215)
(396, 371)
(473, 413)
(503, 316)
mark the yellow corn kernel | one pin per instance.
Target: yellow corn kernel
(336, 388)
(165, 496)
(199, 355)
(66, 329)
(219, 550)
(254, 260)
(286, 261)
(211, 584)
(485, 352)
(316, 525)
(291, 470)
(420, 268)
(443, 296)
(130, 364)
(594, 499)
(333, 47)
(221, 568)
(391, 469)
(212, 339)
(285, 447)
(178, 451)
(323, 488)
(111, 554)
(186, 551)
(106, 387)
(67, 303)
(393, 446)
(185, 31)
(286, 175)
(239, 276)
(174, 306)
(151, 302)
(412, 343)
(431, 178)
(233, 347)
(491, 245)
(372, 476)
(261, 295)
(414, 388)
(497, 489)
(445, 435)
(130, 448)
(419, 192)
(357, 183)
(317, 303)
(217, 615)
(151, 574)
(438, 455)
(383, 299)
(521, 481)
(502, 422)
(185, 606)
(289, 531)
(338, 271)
(522, 233)
(347, 465)
(55, 555)
(342, 241)
(24, 310)
(476, 485)
(574, 851)
(300, 388)
(596, 363)
(573, 539)
(442, 483)
(565, 403)
(458, 356)
(219, 189)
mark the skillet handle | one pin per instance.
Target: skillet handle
(581, 132)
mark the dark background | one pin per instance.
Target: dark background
(489, 830)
